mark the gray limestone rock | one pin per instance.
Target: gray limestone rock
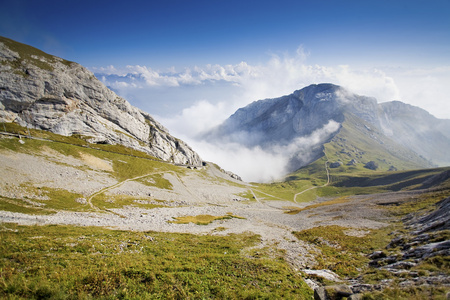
(332, 292)
(41, 91)
(371, 165)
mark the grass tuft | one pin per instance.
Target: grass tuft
(343, 254)
(203, 219)
(293, 210)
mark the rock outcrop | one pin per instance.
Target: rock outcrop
(371, 165)
(426, 238)
(41, 91)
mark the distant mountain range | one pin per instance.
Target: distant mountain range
(41, 91)
(355, 129)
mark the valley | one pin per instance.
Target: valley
(49, 183)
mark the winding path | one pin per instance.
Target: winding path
(89, 200)
(295, 196)
(315, 187)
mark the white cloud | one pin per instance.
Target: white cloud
(282, 74)
(372, 83)
(259, 164)
(196, 99)
(253, 165)
(426, 88)
(196, 119)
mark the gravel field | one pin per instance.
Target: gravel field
(192, 194)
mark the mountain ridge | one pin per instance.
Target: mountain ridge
(42, 91)
(321, 110)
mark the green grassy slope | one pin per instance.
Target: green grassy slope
(65, 262)
(73, 262)
(356, 144)
(359, 141)
(125, 164)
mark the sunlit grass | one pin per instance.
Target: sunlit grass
(283, 190)
(156, 180)
(293, 210)
(20, 206)
(58, 199)
(341, 253)
(49, 262)
(203, 219)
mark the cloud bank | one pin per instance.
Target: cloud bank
(271, 163)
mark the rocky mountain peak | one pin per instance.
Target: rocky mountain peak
(312, 116)
(298, 114)
(42, 91)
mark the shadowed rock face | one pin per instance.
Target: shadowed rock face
(41, 91)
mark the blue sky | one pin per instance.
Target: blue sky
(186, 33)
(193, 63)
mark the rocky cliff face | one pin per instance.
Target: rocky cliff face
(46, 92)
(313, 115)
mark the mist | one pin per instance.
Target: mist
(194, 100)
(263, 164)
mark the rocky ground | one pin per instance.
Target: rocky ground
(193, 194)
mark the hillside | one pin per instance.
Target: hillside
(50, 180)
(359, 142)
(41, 91)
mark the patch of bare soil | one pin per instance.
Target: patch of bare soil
(96, 163)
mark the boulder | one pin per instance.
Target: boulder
(332, 292)
(353, 162)
(392, 169)
(377, 254)
(335, 164)
(371, 165)
(320, 294)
